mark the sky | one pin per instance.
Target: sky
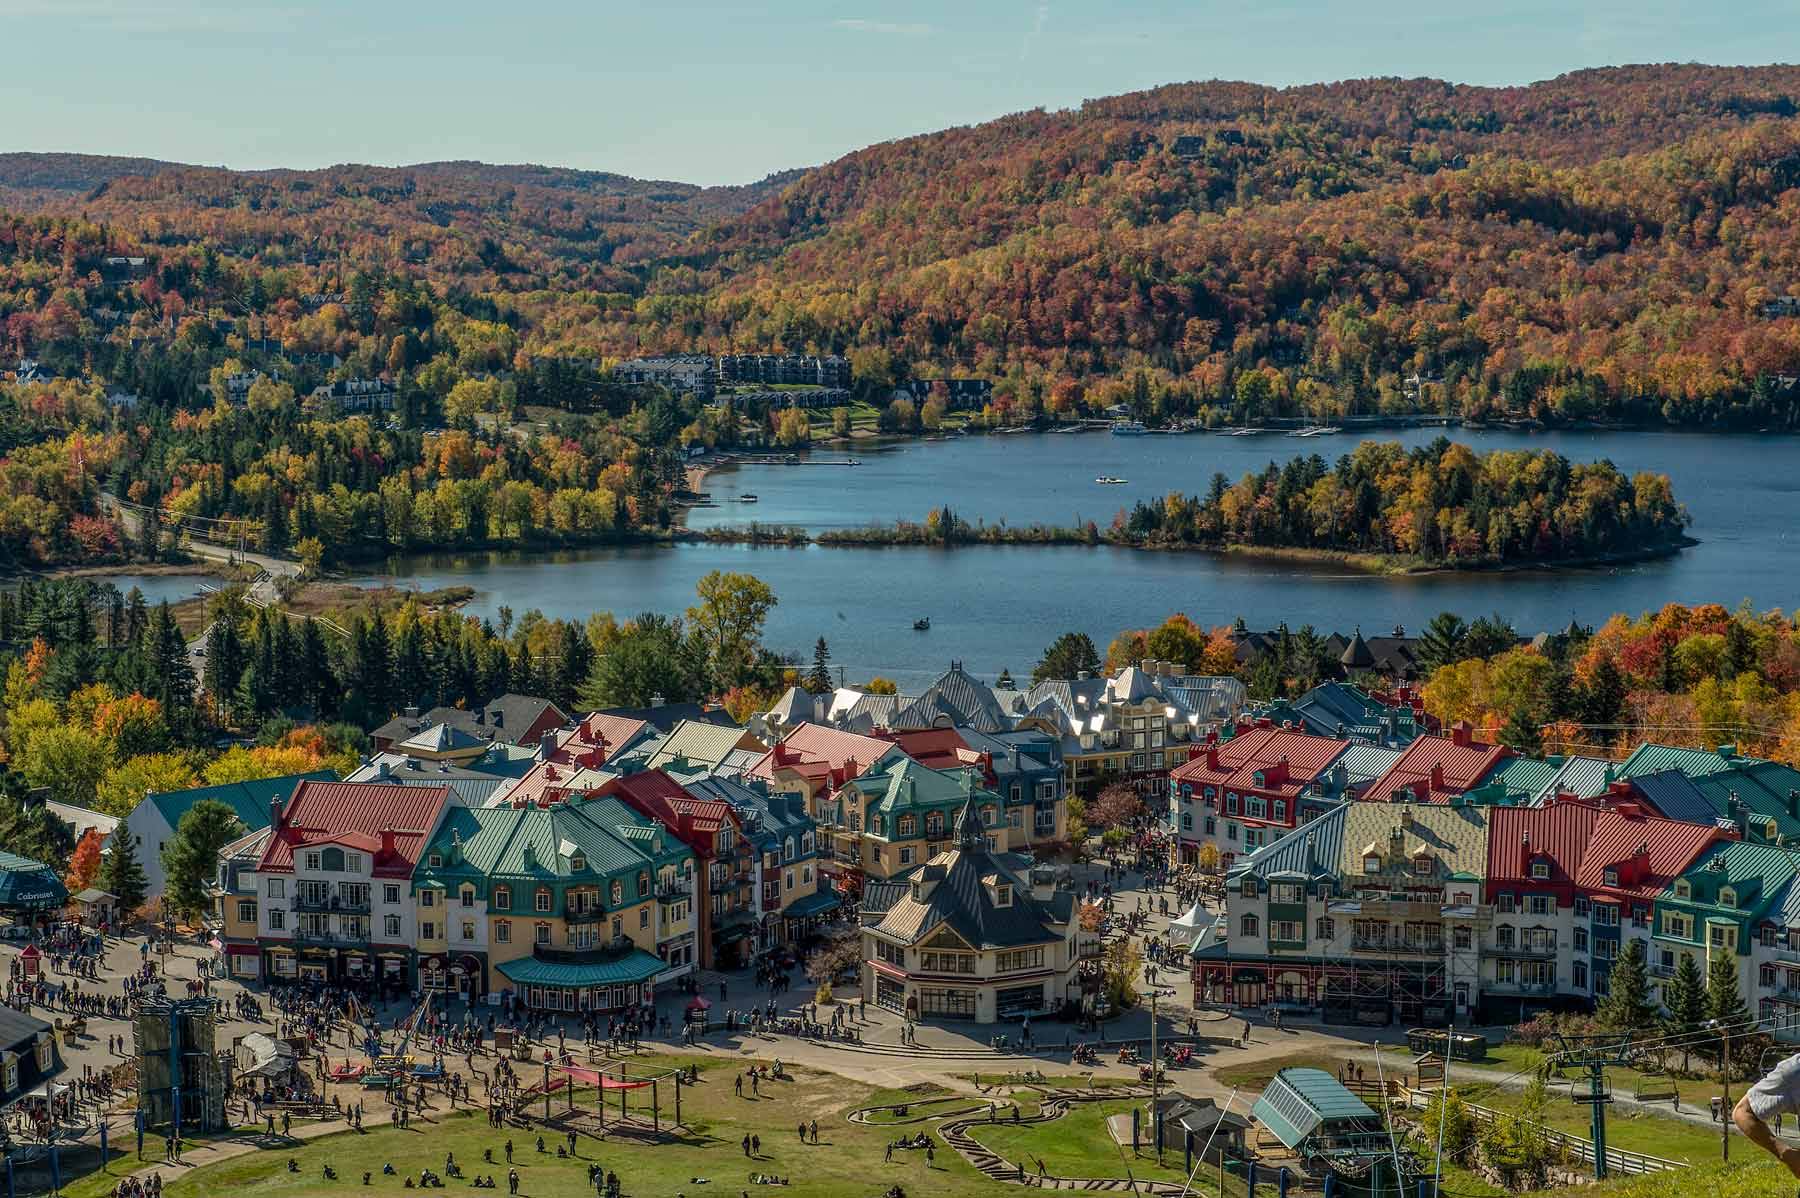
(714, 92)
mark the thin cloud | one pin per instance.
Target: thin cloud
(1037, 29)
(885, 28)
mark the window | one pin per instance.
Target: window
(617, 892)
(277, 887)
(1581, 940)
(1187, 822)
(1582, 907)
(435, 860)
(427, 898)
(1423, 866)
(1003, 895)
(1326, 928)
(1231, 831)
(1371, 864)
(540, 901)
(906, 855)
(1462, 938)
(1727, 897)
(390, 894)
(1683, 890)
(1765, 975)
(893, 954)
(1287, 892)
(1279, 809)
(1025, 958)
(805, 873)
(1503, 936)
(503, 931)
(428, 931)
(542, 932)
(1289, 930)
(1581, 975)
(1678, 925)
(502, 900)
(390, 926)
(467, 896)
(1255, 807)
(1606, 916)
(353, 863)
(312, 861)
(1720, 936)
(1505, 904)
(1212, 826)
(941, 962)
(277, 919)
(1538, 904)
(1248, 926)
(468, 929)
(907, 825)
(247, 911)
(1540, 870)
(1609, 877)
(643, 917)
(1231, 802)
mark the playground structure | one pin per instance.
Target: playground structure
(628, 1098)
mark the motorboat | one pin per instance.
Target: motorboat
(746, 499)
(922, 624)
(1107, 480)
(1128, 428)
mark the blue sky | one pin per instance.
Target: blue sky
(725, 93)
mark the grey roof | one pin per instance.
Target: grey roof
(472, 786)
(1583, 777)
(663, 718)
(1312, 850)
(19, 1033)
(961, 698)
(440, 738)
(878, 898)
(960, 900)
(504, 719)
(796, 706)
(1674, 795)
(1365, 763)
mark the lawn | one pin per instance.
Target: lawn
(1627, 1129)
(847, 1162)
(1254, 1075)
(1078, 1144)
(1522, 1059)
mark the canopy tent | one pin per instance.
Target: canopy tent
(1185, 930)
(27, 885)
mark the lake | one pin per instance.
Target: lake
(998, 607)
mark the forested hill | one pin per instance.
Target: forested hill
(1599, 244)
(1607, 244)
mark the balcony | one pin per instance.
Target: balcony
(673, 892)
(1522, 989)
(592, 914)
(1405, 948)
(733, 917)
(330, 904)
(1531, 950)
(325, 939)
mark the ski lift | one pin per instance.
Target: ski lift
(1770, 1058)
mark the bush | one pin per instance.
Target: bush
(822, 995)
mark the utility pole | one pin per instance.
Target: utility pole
(1725, 1106)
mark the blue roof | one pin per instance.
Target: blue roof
(1674, 794)
(817, 903)
(1297, 1102)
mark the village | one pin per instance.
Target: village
(1231, 943)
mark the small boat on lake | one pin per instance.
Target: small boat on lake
(1128, 428)
(746, 499)
(1107, 480)
(922, 624)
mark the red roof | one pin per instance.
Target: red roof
(591, 744)
(1436, 769)
(822, 754)
(1519, 837)
(1647, 851)
(654, 794)
(1289, 761)
(938, 748)
(390, 822)
(609, 732)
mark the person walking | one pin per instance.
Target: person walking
(512, 1181)
(746, 1145)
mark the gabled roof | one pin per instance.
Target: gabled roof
(1765, 788)
(1583, 777)
(1455, 837)
(823, 754)
(1314, 849)
(250, 800)
(654, 794)
(961, 697)
(506, 719)
(1519, 837)
(1365, 763)
(1463, 767)
(1674, 795)
(1649, 758)
(898, 784)
(1669, 847)
(1759, 872)
(939, 748)
(440, 738)
(325, 812)
(795, 706)
(961, 900)
(541, 842)
(1272, 752)
(697, 742)
(1524, 778)
(1298, 1102)
(665, 716)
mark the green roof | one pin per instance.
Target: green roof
(1759, 872)
(1525, 776)
(540, 842)
(816, 903)
(27, 885)
(249, 800)
(898, 783)
(1297, 1102)
(1763, 788)
(634, 966)
(1649, 758)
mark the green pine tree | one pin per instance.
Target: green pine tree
(1523, 734)
(1628, 1006)
(1724, 1004)
(191, 856)
(1685, 998)
(818, 679)
(123, 875)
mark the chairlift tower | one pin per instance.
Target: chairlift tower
(1596, 1054)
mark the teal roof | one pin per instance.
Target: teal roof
(27, 885)
(541, 842)
(634, 966)
(816, 903)
(1758, 872)
(1765, 788)
(1298, 1102)
(250, 800)
(898, 783)
(1649, 758)
(1524, 776)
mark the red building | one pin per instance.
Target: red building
(712, 829)
(1241, 793)
(1435, 769)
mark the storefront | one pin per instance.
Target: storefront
(243, 960)
(803, 917)
(281, 964)
(584, 981)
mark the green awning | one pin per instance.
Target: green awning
(27, 885)
(813, 904)
(635, 966)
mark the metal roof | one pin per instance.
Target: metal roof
(1313, 849)
(1583, 777)
(1674, 794)
(1649, 758)
(1298, 1102)
(635, 966)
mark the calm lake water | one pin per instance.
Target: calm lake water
(994, 608)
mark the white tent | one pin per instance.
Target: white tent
(1187, 929)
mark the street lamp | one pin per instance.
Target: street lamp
(1155, 1074)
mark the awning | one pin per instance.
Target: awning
(593, 1077)
(732, 935)
(27, 885)
(632, 968)
(240, 950)
(813, 904)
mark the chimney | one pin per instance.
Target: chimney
(412, 763)
(481, 717)
(1462, 733)
(657, 700)
(387, 842)
(1437, 775)
(1212, 755)
(1793, 802)
(382, 771)
(275, 814)
(499, 720)
(546, 746)
(411, 713)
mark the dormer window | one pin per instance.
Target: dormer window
(1003, 895)
(577, 863)
(1540, 870)
(1727, 897)
(1609, 877)
(1371, 864)
(618, 892)
(436, 860)
(1683, 890)
(1423, 866)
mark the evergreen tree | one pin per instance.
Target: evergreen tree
(1628, 1006)
(1067, 657)
(1685, 997)
(318, 684)
(224, 660)
(1724, 1004)
(410, 676)
(1604, 701)
(191, 857)
(1523, 734)
(1442, 641)
(574, 662)
(172, 678)
(124, 877)
(1005, 681)
(28, 827)
(818, 679)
